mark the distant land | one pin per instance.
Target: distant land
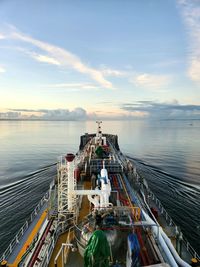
(105, 119)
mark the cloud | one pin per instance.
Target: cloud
(78, 114)
(113, 72)
(2, 36)
(158, 110)
(190, 11)
(2, 70)
(153, 82)
(76, 86)
(45, 59)
(194, 70)
(62, 114)
(129, 111)
(46, 114)
(10, 115)
(61, 57)
(150, 81)
(25, 110)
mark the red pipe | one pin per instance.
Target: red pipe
(117, 187)
(40, 244)
(123, 200)
(115, 182)
(143, 253)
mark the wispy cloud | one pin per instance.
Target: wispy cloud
(2, 36)
(113, 72)
(77, 86)
(150, 81)
(2, 69)
(61, 57)
(167, 63)
(190, 11)
(45, 59)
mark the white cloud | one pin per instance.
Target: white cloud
(165, 110)
(194, 70)
(62, 57)
(45, 114)
(10, 115)
(2, 36)
(191, 14)
(65, 114)
(150, 81)
(46, 59)
(2, 70)
(113, 72)
(74, 86)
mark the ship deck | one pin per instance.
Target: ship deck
(75, 259)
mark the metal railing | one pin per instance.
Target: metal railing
(168, 218)
(170, 221)
(16, 240)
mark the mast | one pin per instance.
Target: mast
(99, 132)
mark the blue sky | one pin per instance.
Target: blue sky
(99, 59)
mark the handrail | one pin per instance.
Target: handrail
(24, 227)
(168, 219)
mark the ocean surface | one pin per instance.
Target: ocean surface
(167, 154)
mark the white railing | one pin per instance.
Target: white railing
(15, 241)
(168, 218)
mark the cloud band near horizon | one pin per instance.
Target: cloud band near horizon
(136, 110)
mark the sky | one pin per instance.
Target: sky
(99, 59)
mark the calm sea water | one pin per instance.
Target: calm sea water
(167, 153)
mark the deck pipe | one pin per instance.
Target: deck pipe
(161, 240)
(167, 244)
(40, 244)
(130, 190)
(143, 252)
(172, 249)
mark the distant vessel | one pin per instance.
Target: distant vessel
(99, 212)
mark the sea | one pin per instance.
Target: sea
(166, 152)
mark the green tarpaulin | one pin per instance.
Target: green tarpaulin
(99, 151)
(97, 251)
